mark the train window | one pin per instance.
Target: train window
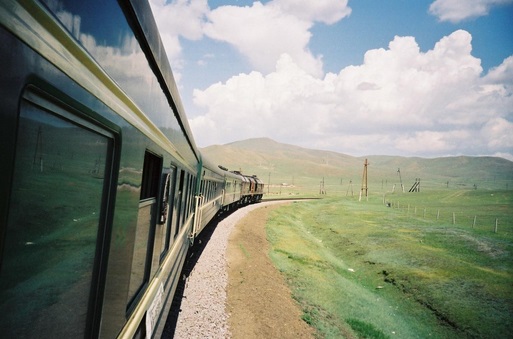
(151, 176)
(191, 195)
(194, 190)
(168, 196)
(146, 220)
(185, 199)
(56, 222)
(178, 203)
(164, 204)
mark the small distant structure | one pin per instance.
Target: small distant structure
(416, 186)
(350, 187)
(365, 189)
(321, 187)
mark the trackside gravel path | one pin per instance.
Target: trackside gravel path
(234, 291)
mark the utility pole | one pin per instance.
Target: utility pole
(268, 182)
(365, 189)
(400, 179)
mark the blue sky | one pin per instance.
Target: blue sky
(373, 24)
(399, 77)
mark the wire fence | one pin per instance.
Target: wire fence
(493, 220)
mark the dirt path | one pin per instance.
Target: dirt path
(258, 300)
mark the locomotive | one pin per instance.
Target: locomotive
(102, 188)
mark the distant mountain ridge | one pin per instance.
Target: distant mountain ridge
(266, 157)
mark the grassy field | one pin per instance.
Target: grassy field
(417, 269)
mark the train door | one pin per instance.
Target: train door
(146, 220)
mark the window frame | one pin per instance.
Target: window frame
(54, 102)
(150, 195)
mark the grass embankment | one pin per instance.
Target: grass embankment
(360, 269)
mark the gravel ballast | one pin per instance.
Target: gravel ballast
(202, 311)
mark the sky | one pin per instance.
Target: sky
(424, 78)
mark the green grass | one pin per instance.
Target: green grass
(479, 209)
(365, 330)
(365, 270)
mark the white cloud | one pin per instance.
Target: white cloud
(458, 10)
(502, 74)
(327, 11)
(399, 101)
(498, 133)
(180, 18)
(262, 33)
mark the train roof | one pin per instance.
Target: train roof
(151, 34)
(219, 169)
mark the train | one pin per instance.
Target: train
(103, 189)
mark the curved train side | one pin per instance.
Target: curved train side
(103, 188)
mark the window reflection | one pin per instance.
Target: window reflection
(51, 236)
(146, 221)
(101, 28)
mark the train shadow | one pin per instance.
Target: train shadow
(193, 256)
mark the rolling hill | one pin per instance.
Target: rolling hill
(286, 165)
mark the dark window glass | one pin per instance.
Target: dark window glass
(179, 203)
(186, 200)
(54, 219)
(169, 193)
(151, 175)
(193, 200)
(146, 220)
